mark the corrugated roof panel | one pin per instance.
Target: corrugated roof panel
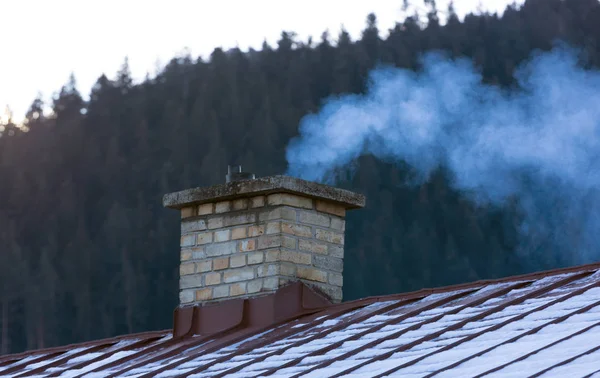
(538, 325)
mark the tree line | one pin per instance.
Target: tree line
(86, 249)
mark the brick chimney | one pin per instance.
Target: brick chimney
(250, 237)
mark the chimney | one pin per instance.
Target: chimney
(251, 236)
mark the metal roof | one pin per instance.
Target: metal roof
(539, 325)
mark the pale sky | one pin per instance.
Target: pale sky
(42, 41)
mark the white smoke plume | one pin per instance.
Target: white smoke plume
(538, 143)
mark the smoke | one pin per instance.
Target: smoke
(538, 143)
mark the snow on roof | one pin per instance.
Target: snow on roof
(540, 325)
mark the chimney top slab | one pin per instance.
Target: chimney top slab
(262, 186)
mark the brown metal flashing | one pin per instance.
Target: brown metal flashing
(500, 325)
(500, 367)
(211, 319)
(277, 334)
(504, 304)
(247, 316)
(515, 338)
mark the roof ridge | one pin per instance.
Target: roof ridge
(469, 285)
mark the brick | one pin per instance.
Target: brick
(330, 208)
(288, 242)
(296, 229)
(221, 263)
(215, 222)
(255, 258)
(221, 249)
(186, 255)
(257, 202)
(267, 270)
(289, 200)
(240, 204)
(254, 286)
(204, 294)
(329, 263)
(198, 253)
(212, 279)
(239, 233)
(315, 219)
(204, 266)
(256, 230)
(338, 224)
(272, 256)
(188, 240)
(239, 274)
(222, 207)
(285, 213)
(271, 283)
(247, 245)
(187, 212)
(286, 269)
(193, 226)
(205, 238)
(273, 228)
(295, 257)
(205, 209)
(312, 246)
(329, 236)
(311, 274)
(221, 236)
(186, 296)
(185, 269)
(237, 289)
(335, 279)
(237, 261)
(270, 241)
(188, 282)
(221, 291)
(239, 219)
(335, 251)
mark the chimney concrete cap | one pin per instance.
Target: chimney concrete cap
(262, 186)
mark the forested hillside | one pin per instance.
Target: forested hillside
(86, 249)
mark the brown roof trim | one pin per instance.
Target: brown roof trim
(494, 328)
(460, 324)
(515, 338)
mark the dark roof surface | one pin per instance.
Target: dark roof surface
(538, 325)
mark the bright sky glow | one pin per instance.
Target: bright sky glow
(42, 41)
